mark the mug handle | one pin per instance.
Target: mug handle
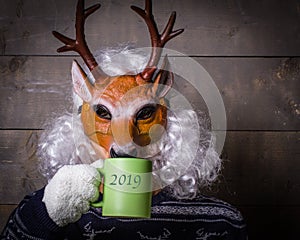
(98, 204)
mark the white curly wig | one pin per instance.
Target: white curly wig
(184, 160)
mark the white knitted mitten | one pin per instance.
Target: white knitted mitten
(69, 193)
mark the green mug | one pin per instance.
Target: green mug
(127, 187)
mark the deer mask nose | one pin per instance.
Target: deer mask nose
(119, 154)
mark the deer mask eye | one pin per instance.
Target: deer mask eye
(145, 112)
(102, 112)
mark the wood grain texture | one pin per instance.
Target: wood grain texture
(272, 222)
(33, 89)
(252, 28)
(18, 165)
(261, 169)
(258, 93)
(5, 211)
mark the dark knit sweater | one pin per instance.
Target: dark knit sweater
(204, 218)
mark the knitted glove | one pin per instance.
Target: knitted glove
(69, 193)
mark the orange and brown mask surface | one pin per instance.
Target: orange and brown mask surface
(122, 111)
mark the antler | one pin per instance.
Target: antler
(158, 40)
(79, 44)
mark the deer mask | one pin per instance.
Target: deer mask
(121, 113)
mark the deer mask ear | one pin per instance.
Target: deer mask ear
(81, 84)
(164, 80)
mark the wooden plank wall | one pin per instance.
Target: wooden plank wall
(250, 48)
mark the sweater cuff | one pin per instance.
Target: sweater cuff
(35, 216)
